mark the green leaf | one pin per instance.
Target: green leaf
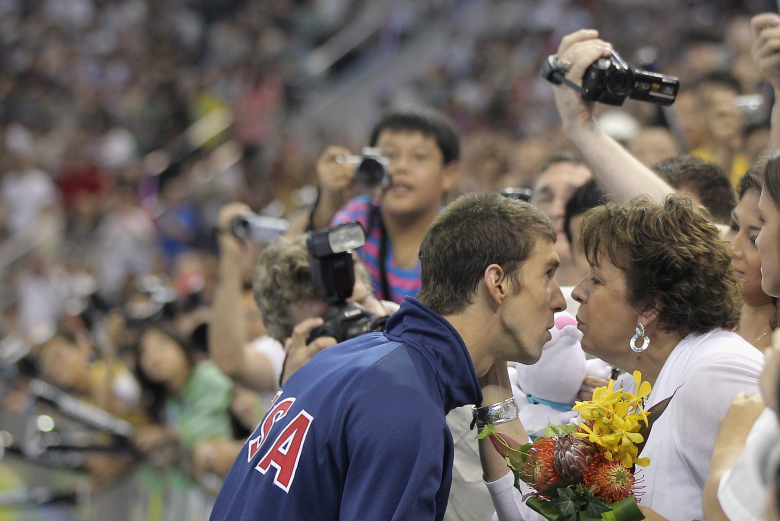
(544, 508)
(624, 510)
(565, 502)
(489, 430)
(595, 508)
(566, 493)
(653, 413)
(552, 431)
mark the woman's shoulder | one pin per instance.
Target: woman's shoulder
(703, 365)
(722, 363)
(721, 344)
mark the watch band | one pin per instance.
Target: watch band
(494, 414)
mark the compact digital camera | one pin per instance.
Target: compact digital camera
(258, 228)
(371, 168)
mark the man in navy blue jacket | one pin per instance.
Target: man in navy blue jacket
(359, 432)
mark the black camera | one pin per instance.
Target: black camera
(333, 276)
(518, 194)
(371, 168)
(611, 80)
(258, 228)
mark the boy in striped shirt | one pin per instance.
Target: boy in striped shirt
(423, 150)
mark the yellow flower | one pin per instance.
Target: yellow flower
(612, 421)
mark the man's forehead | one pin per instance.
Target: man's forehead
(563, 173)
(544, 254)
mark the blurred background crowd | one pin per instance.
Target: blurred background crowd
(126, 125)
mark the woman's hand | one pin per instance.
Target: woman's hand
(578, 50)
(766, 46)
(151, 437)
(589, 385)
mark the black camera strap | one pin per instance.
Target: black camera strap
(375, 214)
(560, 77)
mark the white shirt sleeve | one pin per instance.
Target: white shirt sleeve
(273, 350)
(702, 401)
(508, 501)
(741, 492)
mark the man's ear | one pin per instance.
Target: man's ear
(496, 284)
(449, 176)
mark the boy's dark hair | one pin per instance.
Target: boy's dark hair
(583, 199)
(473, 232)
(427, 121)
(566, 156)
(704, 180)
(722, 78)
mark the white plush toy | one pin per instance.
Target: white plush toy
(546, 391)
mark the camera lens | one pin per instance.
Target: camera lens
(619, 83)
(370, 172)
(240, 227)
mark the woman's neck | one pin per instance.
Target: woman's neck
(755, 325)
(651, 361)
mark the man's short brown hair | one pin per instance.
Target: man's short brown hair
(673, 260)
(473, 232)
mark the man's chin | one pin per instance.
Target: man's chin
(530, 358)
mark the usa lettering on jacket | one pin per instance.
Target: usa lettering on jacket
(285, 451)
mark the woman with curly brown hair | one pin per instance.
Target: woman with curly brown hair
(661, 297)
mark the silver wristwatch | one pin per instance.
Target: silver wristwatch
(494, 414)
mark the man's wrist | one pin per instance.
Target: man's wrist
(495, 414)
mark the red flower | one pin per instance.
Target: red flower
(612, 480)
(539, 469)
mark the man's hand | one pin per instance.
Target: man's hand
(215, 456)
(336, 183)
(335, 176)
(766, 46)
(151, 437)
(233, 250)
(580, 50)
(298, 352)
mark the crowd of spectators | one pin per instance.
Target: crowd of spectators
(113, 170)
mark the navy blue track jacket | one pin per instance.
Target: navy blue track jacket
(359, 432)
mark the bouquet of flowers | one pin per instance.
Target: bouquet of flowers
(585, 472)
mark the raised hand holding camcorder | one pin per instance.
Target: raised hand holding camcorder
(610, 80)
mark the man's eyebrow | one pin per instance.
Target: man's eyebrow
(552, 264)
